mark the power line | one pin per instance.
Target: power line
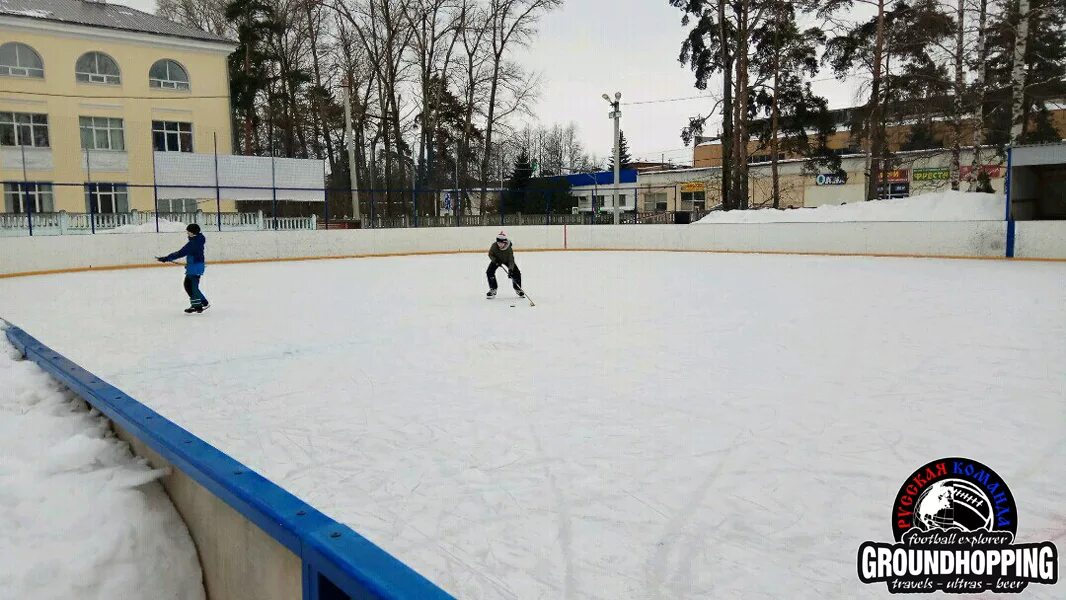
(665, 100)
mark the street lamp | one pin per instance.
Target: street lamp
(616, 114)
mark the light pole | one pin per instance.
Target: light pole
(353, 176)
(616, 114)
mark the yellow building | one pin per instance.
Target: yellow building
(89, 90)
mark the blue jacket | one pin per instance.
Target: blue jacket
(193, 253)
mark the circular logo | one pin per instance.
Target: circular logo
(954, 494)
(953, 503)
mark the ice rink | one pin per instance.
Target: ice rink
(660, 425)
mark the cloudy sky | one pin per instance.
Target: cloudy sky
(590, 47)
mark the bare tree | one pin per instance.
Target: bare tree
(511, 24)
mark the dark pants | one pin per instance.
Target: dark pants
(516, 275)
(192, 288)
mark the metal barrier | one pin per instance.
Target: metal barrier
(336, 562)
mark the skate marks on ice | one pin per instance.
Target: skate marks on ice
(660, 427)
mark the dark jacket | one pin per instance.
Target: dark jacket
(193, 252)
(504, 257)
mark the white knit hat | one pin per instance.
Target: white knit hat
(501, 237)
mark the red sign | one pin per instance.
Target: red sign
(993, 171)
(898, 175)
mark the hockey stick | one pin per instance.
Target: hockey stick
(519, 288)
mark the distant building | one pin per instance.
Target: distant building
(709, 154)
(597, 192)
(103, 107)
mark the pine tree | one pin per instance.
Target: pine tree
(518, 185)
(249, 64)
(623, 153)
(908, 33)
(798, 120)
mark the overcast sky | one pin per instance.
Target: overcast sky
(592, 47)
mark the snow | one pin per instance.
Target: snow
(28, 12)
(165, 226)
(938, 206)
(81, 517)
(659, 426)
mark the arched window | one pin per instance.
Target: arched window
(97, 67)
(19, 60)
(168, 75)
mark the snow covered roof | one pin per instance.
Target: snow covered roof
(100, 14)
(1039, 154)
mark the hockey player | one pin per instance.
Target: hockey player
(502, 255)
(193, 251)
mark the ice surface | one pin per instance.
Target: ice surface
(80, 517)
(659, 426)
(938, 206)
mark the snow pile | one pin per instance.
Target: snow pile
(81, 517)
(938, 206)
(165, 226)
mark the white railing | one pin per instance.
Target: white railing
(290, 223)
(64, 223)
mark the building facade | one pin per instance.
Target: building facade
(917, 173)
(90, 92)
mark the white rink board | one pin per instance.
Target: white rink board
(970, 238)
(659, 426)
(1040, 239)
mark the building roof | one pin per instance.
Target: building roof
(601, 178)
(100, 14)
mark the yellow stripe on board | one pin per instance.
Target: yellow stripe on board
(441, 252)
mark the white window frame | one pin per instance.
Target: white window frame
(17, 193)
(19, 69)
(25, 125)
(110, 127)
(169, 83)
(184, 205)
(688, 199)
(116, 196)
(172, 128)
(653, 200)
(96, 76)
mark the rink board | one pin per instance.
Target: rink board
(255, 540)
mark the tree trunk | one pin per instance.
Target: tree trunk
(321, 125)
(1018, 124)
(979, 104)
(740, 110)
(875, 132)
(249, 111)
(775, 115)
(960, 89)
(727, 109)
(493, 90)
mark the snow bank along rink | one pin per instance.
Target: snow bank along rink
(80, 516)
(660, 425)
(938, 206)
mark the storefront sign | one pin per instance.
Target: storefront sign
(897, 175)
(993, 171)
(895, 190)
(693, 186)
(932, 174)
(831, 179)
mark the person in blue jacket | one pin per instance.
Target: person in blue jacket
(193, 251)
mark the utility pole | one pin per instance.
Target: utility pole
(616, 114)
(353, 176)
